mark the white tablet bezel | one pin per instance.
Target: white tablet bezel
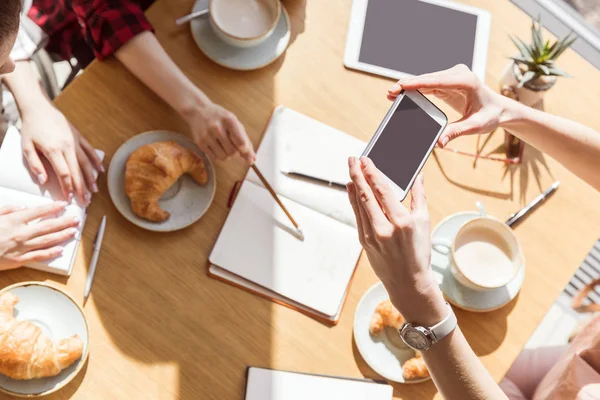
(357, 23)
(435, 113)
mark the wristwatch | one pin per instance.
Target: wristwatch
(420, 338)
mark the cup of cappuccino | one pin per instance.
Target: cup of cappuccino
(244, 23)
(485, 254)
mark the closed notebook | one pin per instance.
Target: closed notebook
(19, 188)
(266, 384)
(258, 249)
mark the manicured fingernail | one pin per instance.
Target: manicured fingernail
(87, 197)
(445, 141)
(76, 220)
(61, 203)
(60, 250)
(70, 197)
(364, 161)
(95, 188)
(395, 87)
(41, 179)
(349, 187)
(351, 161)
(102, 169)
(73, 231)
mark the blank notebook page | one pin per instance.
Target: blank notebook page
(264, 384)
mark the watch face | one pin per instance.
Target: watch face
(416, 339)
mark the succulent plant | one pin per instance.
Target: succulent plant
(539, 57)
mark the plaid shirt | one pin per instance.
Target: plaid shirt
(102, 26)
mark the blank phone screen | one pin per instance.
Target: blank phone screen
(404, 142)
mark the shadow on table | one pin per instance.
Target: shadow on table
(166, 312)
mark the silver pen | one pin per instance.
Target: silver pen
(516, 217)
(294, 174)
(94, 262)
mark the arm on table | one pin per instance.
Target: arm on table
(46, 129)
(217, 131)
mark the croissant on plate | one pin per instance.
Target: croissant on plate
(385, 315)
(152, 169)
(25, 352)
(415, 368)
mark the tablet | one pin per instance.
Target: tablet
(397, 39)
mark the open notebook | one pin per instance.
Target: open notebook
(258, 249)
(266, 384)
(19, 188)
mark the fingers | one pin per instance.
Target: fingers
(351, 189)
(87, 169)
(76, 176)
(9, 210)
(382, 190)
(91, 154)
(50, 240)
(367, 201)
(468, 125)
(34, 162)
(40, 255)
(49, 226)
(240, 139)
(418, 203)
(457, 77)
(47, 210)
(61, 168)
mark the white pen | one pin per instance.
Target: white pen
(94, 262)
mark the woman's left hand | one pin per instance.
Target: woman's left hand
(396, 240)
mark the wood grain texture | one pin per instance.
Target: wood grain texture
(161, 329)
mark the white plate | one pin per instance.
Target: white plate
(243, 59)
(457, 294)
(186, 200)
(59, 317)
(379, 352)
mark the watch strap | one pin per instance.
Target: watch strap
(445, 326)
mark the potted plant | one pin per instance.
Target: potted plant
(530, 74)
(534, 70)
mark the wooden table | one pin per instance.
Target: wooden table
(161, 329)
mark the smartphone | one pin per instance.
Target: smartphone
(405, 139)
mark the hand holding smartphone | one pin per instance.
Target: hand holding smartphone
(405, 139)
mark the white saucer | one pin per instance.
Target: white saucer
(186, 200)
(243, 59)
(457, 294)
(379, 352)
(59, 317)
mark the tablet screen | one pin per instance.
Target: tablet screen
(416, 37)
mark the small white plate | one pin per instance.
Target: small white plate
(185, 200)
(242, 59)
(457, 294)
(59, 316)
(383, 356)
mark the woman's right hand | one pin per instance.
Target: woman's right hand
(481, 108)
(22, 243)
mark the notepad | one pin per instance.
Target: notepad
(19, 188)
(258, 248)
(266, 384)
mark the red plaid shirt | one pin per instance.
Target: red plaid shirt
(102, 26)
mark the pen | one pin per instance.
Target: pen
(518, 216)
(295, 174)
(95, 256)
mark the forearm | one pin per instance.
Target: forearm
(454, 367)
(575, 146)
(25, 87)
(145, 58)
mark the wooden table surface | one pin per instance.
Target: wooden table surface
(161, 329)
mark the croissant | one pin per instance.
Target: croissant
(415, 368)
(25, 352)
(152, 169)
(385, 315)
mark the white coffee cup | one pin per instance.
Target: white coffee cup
(484, 255)
(244, 23)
